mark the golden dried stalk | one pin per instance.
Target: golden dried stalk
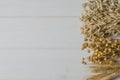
(114, 65)
(109, 72)
(101, 18)
(101, 23)
(112, 76)
(99, 76)
(105, 76)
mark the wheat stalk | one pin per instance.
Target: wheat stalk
(106, 71)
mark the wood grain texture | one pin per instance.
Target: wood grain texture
(40, 40)
(40, 7)
(40, 65)
(40, 33)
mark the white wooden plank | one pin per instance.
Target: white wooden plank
(41, 65)
(40, 33)
(40, 7)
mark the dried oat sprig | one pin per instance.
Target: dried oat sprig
(101, 23)
(101, 18)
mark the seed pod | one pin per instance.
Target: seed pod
(104, 52)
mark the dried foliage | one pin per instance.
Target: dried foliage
(101, 23)
(106, 72)
(104, 50)
(101, 18)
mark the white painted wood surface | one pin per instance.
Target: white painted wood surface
(40, 33)
(35, 64)
(40, 7)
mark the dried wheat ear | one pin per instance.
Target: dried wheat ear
(105, 71)
(101, 18)
(101, 23)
